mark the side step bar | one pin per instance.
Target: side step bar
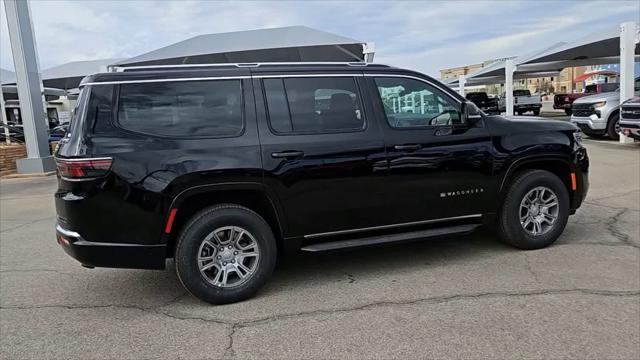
(384, 239)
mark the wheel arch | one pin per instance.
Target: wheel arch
(253, 196)
(558, 165)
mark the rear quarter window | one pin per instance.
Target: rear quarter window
(182, 109)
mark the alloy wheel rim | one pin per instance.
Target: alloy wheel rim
(228, 256)
(617, 127)
(539, 211)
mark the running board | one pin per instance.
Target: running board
(391, 238)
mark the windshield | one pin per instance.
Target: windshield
(521, 92)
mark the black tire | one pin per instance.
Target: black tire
(567, 111)
(192, 236)
(520, 112)
(614, 121)
(536, 112)
(508, 225)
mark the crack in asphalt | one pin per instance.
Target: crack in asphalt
(530, 269)
(615, 195)
(595, 243)
(233, 327)
(27, 223)
(610, 225)
(38, 270)
(590, 202)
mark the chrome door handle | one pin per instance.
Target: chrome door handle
(410, 147)
(287, 154)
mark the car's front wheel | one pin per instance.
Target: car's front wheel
(225, 254)
(535, 210)
(613, 127)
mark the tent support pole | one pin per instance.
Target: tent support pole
(509, 69)
(462, 79)
(30, 93)
(627, 49)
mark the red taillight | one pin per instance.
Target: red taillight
(83, 168)
(574, 183)
(566, 98)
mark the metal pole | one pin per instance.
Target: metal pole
(462, 79)
(627, 48)
(4, 117)
(509, 68)
(25, 59)
(369, 50)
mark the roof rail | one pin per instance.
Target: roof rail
(116, 68)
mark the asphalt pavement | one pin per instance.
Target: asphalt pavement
(464, 297)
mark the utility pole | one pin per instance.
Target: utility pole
(25, 60)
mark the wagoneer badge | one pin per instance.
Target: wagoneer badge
(461, 192)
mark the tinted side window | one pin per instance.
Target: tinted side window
(313, 104)
(411, 103)
(100, 108)
(184, 109)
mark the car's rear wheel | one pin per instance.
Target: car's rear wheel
(225, 254)
(536, 112)
(535, 210)
(567, 111)
(613, 127)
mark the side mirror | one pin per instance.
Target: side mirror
(470, 113)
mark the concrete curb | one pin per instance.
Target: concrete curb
(27, 176)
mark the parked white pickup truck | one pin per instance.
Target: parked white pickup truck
(523, 101)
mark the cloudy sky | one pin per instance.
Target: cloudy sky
(424, 36)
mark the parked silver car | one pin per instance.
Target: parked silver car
(599, 115)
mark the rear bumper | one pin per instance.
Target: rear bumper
(527, 106)
(113, 255)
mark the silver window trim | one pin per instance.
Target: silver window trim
(271, 76)
(166, 80)
(116, 68)
(382, 227)
(283, 75)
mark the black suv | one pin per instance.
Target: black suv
(227, 167)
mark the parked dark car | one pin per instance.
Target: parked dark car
(225, 168)
(487, 104)
(58, 132)
(565, 100)
(630, 118)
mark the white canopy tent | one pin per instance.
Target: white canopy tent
(285, 44)
(608, 46)
(66, 76)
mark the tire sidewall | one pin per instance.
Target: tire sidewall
(611, 127)
(189, 245)
(511, 212)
